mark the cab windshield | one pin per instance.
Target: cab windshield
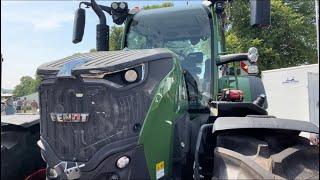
(185, 31)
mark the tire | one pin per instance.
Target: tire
(269, 157)
(20, 155)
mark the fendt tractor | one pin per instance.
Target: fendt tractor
(166, 106)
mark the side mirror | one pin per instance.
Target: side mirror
(252, 56)
(260, 13)
(78, 26)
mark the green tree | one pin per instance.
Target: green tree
(28, 85)
(290, 41)
(115, 38)
(156, 6)
(93, 50)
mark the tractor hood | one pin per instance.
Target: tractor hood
(89, 110)
(102, 60)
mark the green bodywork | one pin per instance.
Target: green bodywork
(170, 102)
(157, 131)
(218, 47)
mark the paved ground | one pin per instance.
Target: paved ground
(20, 119)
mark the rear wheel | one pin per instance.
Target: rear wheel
(273, 156)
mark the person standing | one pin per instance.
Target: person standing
(19, 105)
(24, 105)
(9, 106)
(34, 106)
(3, 108)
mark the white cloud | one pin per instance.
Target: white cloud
(51, 21)
(38, 20)
(7, 3)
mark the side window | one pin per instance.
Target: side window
(136, 41)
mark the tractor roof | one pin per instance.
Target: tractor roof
(174, 22)
(106, 60)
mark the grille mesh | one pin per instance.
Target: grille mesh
(112, 117)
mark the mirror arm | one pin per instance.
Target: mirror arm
(224, 59)
(104, 8)
(96, 8)
(85, 3)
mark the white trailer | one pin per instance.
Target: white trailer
(293, 93)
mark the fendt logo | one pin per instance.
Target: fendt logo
(69, 117)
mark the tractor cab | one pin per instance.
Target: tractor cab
(186, 31)
(195, 34)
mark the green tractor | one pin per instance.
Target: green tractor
(162, 108)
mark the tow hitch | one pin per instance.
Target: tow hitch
(71, 170)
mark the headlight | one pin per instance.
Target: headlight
(131, 76)
(114, 5)
(253, 54)
(120, 78)
(122, 5)
(123, 162)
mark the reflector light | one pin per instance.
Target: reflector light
(244, 66)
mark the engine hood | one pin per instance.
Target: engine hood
(103, 60)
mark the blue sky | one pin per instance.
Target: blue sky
(35, 32)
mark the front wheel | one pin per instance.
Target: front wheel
(272, 156)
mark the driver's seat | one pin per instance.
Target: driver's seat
(191, 78)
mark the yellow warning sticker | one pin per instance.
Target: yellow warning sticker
(160, 169)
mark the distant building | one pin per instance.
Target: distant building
(5, 96)
(30, 97)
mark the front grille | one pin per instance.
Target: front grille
(113, 115)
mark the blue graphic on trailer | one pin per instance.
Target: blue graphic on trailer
(290, 81)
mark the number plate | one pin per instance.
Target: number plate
(69, 117)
